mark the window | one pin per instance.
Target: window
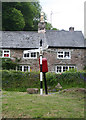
(63, 68)
(5, 53)
(60, 55)
(58, 68)
(63, 55)
(33, 54)
(26, 55)
(30, 55)
(24, 68)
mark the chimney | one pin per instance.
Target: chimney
(71, 29)
(41, 24)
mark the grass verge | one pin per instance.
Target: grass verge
(60, 105)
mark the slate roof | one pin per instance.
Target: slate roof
(65, 38)
(27, 39)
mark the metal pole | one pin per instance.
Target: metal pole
(41, 79)
(45, 82)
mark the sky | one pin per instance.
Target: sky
(65, 13)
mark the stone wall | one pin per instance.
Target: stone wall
(78, 58)
(33, 63)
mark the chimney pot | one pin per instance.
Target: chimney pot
(41, 24)
(71, 29)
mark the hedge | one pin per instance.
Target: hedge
(20, 81)
(67, 80)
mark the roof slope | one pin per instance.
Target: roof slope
(20, 39)
(65, 38)
(27, 39)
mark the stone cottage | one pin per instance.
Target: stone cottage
(64, 50)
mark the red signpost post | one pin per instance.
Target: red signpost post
(44, 70)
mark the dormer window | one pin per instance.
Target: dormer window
(63, 55)
(30, 55)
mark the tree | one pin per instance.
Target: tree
(20, 15)
(48, 26)
(55, 29)
(13, 20)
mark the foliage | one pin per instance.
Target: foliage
(20, 81)
(48, 26)
(55, 29)
(8, 64)
(67, 80)
(20, 15)
(15, 19)
(71, 70)
(84, 67)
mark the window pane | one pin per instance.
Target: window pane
(6, 55)
(33, 54)
(6, 51)
(66, 54)
(25, 55)
(71, 67)
(58, 68)
(60, 54)
(25, 68)
(20, 68)
(65, 68)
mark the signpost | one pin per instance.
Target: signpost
(41, 79)
(43, 69)
(42, 61)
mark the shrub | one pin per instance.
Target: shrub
(67, 79)
(20, 81)
(8, 64)
(84, 67)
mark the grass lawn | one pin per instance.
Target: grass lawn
(60, 105)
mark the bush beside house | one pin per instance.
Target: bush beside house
(20, 81)
(8, 64)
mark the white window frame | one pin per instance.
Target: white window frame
(30, 52)
(63, 55)
(63, 66)
(23, 68)
(3, 52)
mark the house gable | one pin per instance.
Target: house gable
(19, 41)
